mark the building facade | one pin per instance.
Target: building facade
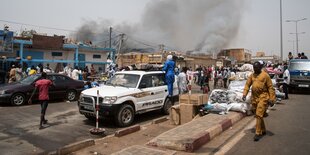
(238, 56)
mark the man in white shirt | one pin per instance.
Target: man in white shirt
(75, 73)
(286, 81)
(68, 70)
(182, 81)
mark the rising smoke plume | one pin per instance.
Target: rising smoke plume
(195, 25)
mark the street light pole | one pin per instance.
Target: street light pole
(281, 37)
(293, 41)
(297, 40)
(296, 21)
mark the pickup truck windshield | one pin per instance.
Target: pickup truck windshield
(124, 80)
(303, 65)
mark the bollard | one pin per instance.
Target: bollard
(189, 84)
(97, 130)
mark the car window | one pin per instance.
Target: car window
(158, 80)
(59, 79)
(124, 80)
(302, 65)
(30, 79)
(153, 80)
(146, 80)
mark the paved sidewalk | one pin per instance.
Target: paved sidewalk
(163, 138)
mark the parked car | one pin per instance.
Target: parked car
(19, 92)
(299, 74)
(126, 94)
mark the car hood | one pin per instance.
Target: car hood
(12, 86)
(108, 91)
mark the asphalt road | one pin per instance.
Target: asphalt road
(288, 130)
(20, 134)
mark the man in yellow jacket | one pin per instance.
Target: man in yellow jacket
(263, 94)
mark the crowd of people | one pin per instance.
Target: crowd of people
(299, 56)
(16, 72)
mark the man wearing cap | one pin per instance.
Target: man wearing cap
(263, 94)
(169, 70)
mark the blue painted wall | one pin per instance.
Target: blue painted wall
(34, 55)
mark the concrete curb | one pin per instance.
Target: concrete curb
(196, 141)
(159, 120)
(89, 142)
(127, 131)
(75, 146)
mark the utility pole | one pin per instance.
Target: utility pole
(110, 37)
(281, 37)
(296, 21)
(119, 49)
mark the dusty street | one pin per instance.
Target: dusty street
(283, 137)
(19, 133)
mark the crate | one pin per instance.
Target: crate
(195, 99)
(188, 112)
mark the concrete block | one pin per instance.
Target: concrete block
(127, 131)
(75, 146)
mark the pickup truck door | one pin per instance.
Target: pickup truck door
(153, 92)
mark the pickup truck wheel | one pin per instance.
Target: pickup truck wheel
(125, 115)
(167, 106)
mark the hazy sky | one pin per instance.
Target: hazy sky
(259, 28)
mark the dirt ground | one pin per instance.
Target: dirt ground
(113, 144)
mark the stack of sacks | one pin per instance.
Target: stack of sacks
(246, 67)
(222, 101)
(237, 85)
(243, 75)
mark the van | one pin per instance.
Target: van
(299, 74)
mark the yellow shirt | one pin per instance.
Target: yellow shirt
(262, 88)
(31, 72)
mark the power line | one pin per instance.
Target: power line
(53, 28)
(138, 40)
(143, 42)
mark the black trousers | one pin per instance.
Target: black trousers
(44, 104)
(285, 90)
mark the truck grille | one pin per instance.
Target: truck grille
(88, 100)
(91, 100)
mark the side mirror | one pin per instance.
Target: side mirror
(142, 85)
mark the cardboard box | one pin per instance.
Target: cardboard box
(195, 99)
(188, 112)
(174, 115)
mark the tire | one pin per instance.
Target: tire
(125, 116)
(18, 99)
(166, 108)
(71, 95)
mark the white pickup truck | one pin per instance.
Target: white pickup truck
(126, 94)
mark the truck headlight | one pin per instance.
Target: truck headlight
(109, 99)
(81, 99)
